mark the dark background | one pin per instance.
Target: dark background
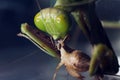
(22, 60)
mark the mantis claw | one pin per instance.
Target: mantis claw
(39, 38)
(103, 59)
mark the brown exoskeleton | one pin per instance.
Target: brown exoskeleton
(75, 61)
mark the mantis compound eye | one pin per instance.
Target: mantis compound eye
(54, 21)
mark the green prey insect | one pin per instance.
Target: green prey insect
(54, 23)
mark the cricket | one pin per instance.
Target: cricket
(52, 26)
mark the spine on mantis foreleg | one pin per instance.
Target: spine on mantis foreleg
(40, 39)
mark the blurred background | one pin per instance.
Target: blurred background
(22, 60)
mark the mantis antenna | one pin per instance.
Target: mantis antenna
(38, 4)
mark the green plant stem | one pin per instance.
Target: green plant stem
(111, 24)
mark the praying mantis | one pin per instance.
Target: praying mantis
(53, 25)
